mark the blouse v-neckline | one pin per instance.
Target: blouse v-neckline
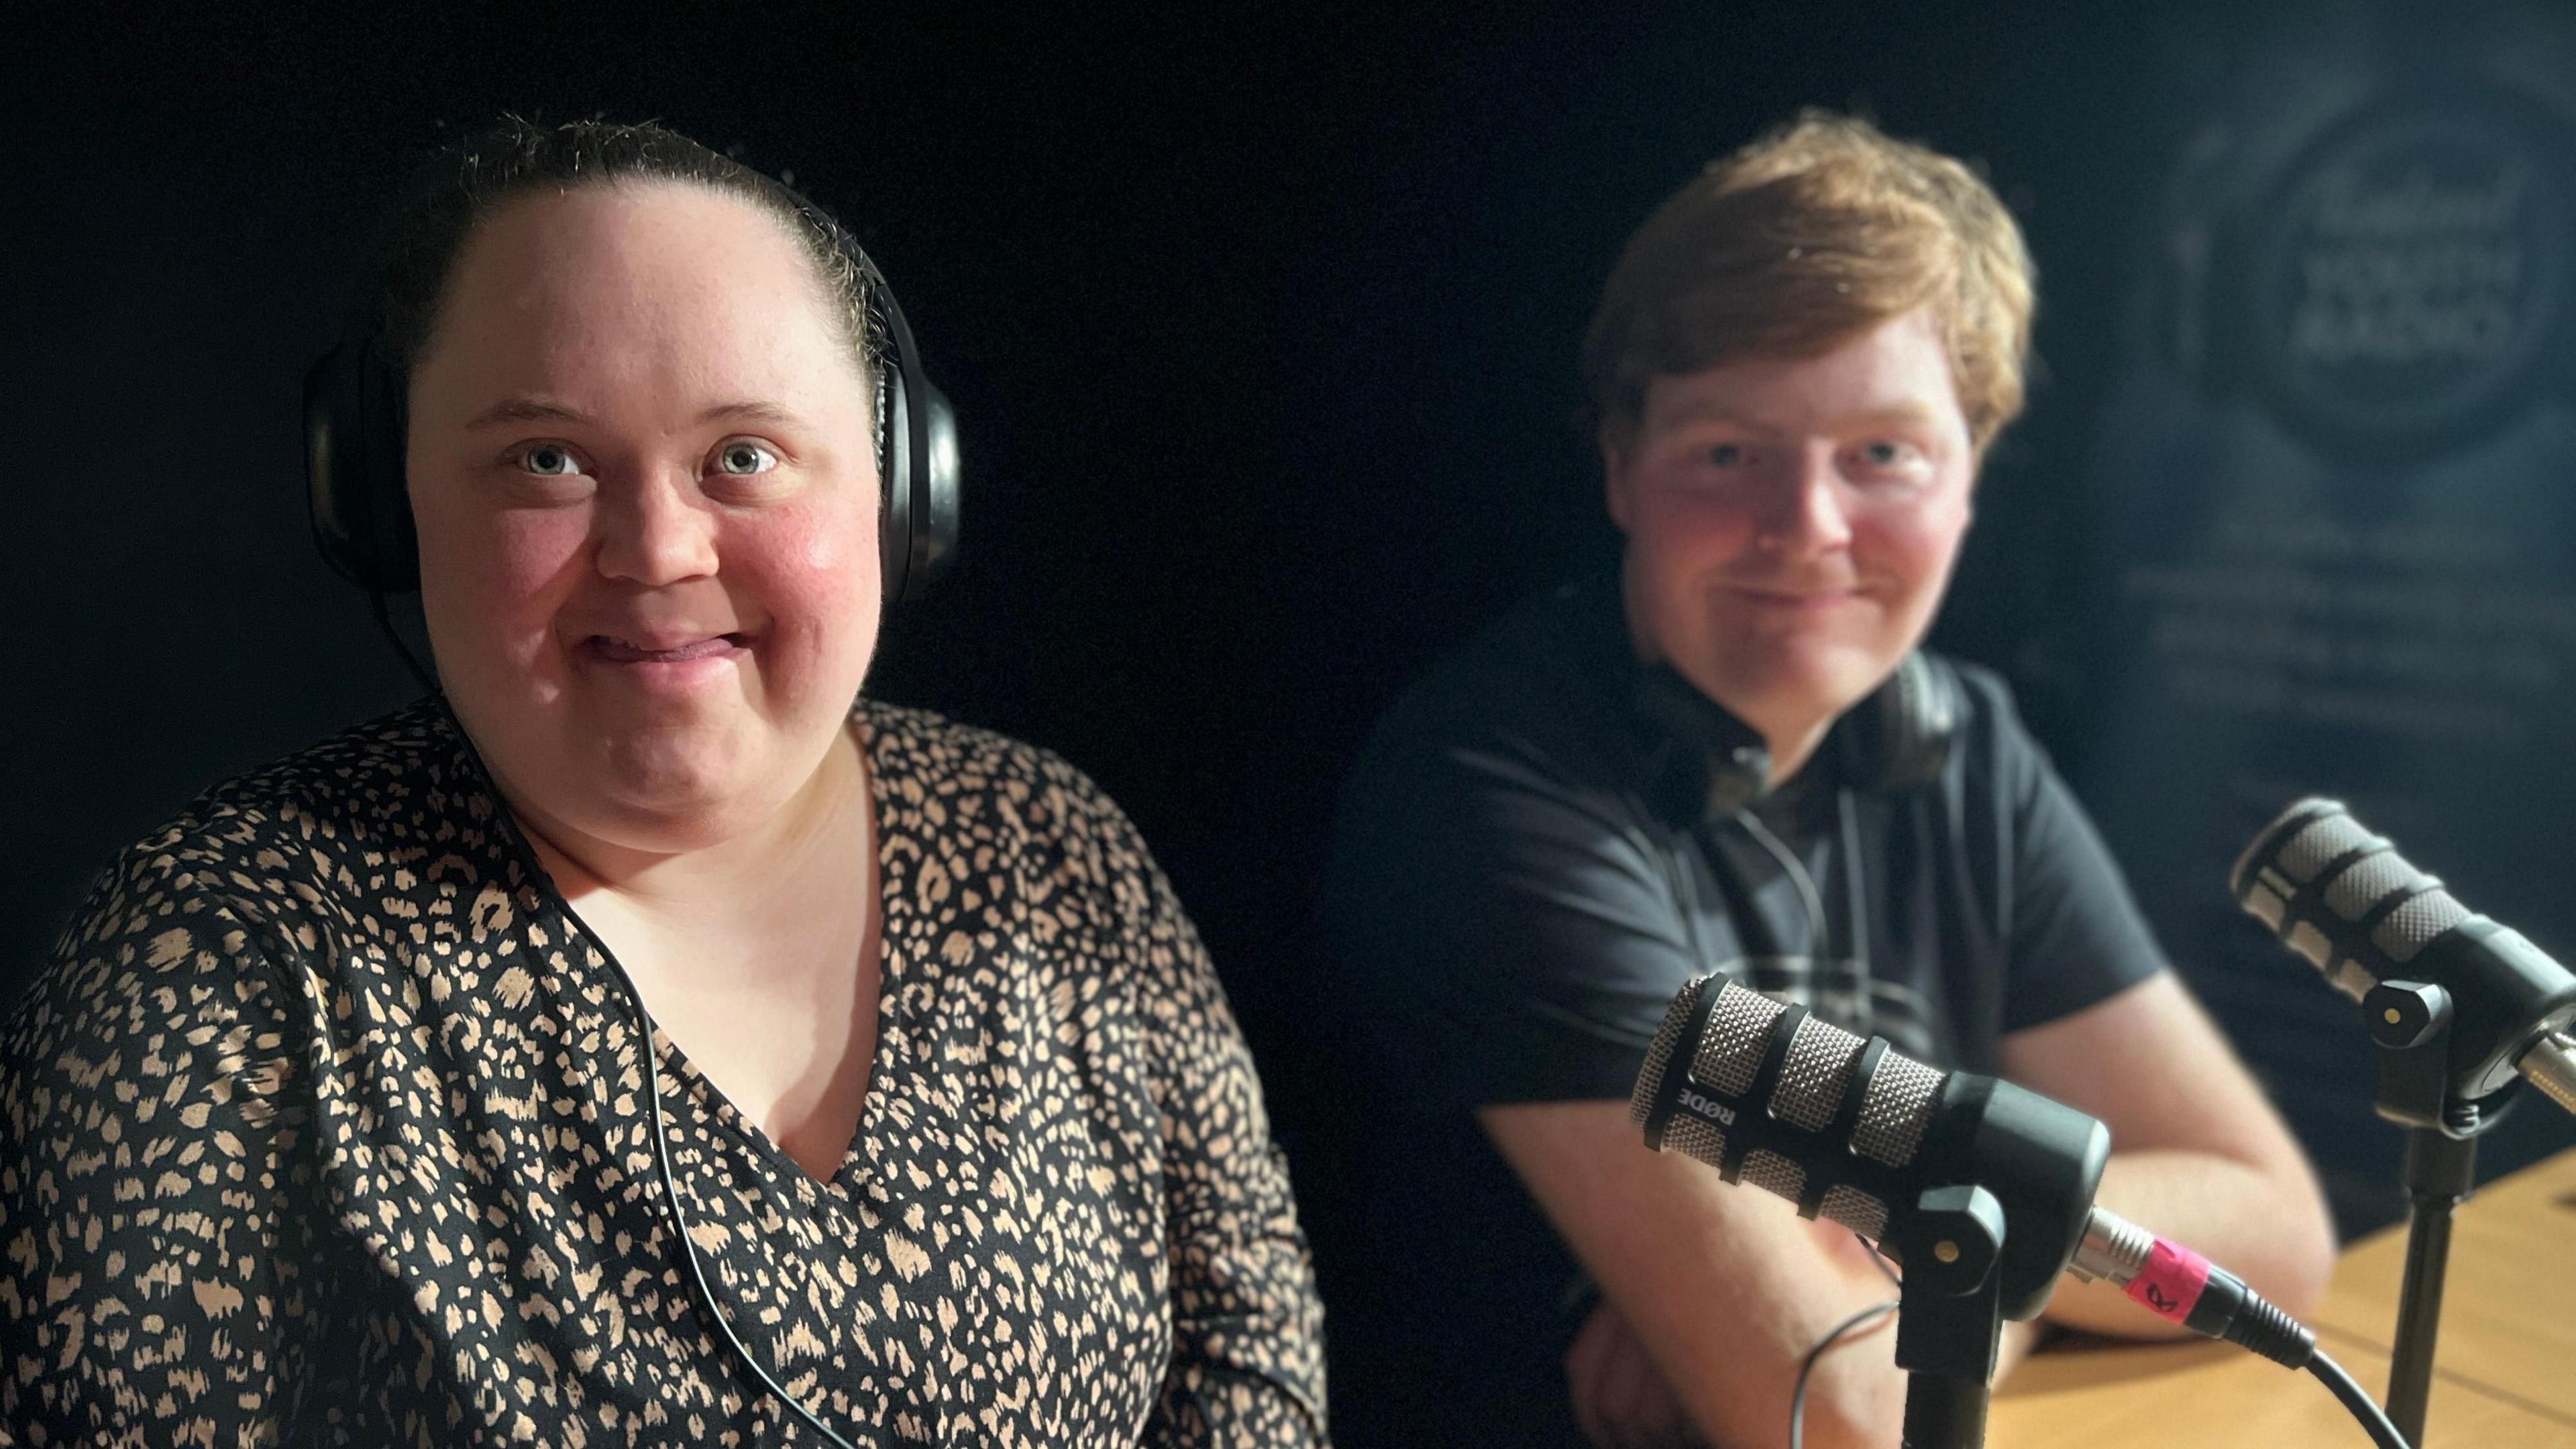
(680, 1078)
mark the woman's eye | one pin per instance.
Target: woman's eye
(549, 460)
(1727, 455)
(1887, 454)
(743, 458)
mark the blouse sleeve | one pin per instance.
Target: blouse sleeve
(154, 1282)
(1247, 1329)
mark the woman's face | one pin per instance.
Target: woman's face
(642, 464)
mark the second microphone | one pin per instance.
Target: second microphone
(1852, 1130)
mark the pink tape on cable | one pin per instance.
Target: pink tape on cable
(2171, 1282)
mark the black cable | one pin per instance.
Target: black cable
(1798, 1395)
(680, 1217)
(2375, 1423)
(1879, 1261)
(1805, 884)
(385, 621)
(1807, 1367)
(643, 1021)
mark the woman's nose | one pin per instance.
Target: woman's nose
(655, 534)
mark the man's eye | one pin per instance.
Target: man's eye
(1885, 454)
(1727, 455)
(549, 460)
(743, 458)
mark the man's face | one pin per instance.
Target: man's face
(1791, 522)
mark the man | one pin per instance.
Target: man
(1796, 368)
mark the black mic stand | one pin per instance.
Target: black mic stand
(2411, 1022)
(1949, 1314)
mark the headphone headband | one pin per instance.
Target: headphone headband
(354, 438)
(1707, 764)
(917, 527)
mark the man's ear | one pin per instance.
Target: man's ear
(1616, 490)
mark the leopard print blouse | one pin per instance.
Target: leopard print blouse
(328, 1124)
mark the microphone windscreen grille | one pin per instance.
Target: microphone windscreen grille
(1695, 1137)
(1659, 1053)
(1812, 1076)
(1896, 1108)
(2319, 842)
(1738, 1031)
(2418, 921)
(2368, 881)
(1861, 1212)
(1773, 1173)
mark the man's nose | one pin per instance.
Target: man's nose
(1804, 512)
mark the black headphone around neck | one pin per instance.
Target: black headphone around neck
(354, 429)
(1706, 764)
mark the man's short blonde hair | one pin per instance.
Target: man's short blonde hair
(1807, 237)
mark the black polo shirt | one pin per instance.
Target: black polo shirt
(1508, 917)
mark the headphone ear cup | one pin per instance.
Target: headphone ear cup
(937, 506)
(1909, 725)
(919, 527)
(894, 519)
(353, 471)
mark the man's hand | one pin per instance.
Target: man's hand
(1727, 1284)
(1620, 1397)
(2197, 1153)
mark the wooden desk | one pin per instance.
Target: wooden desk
(2100, 1395)
(2509, 1308)
(2506, 1366)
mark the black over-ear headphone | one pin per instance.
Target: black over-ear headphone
(353, 453)
(354, 442)
(1706, 764)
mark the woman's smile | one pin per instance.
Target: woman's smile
(666, 660)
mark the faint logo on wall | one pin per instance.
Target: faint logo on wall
(2408, 281)
(2333, 509)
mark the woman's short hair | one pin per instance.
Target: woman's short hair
(1818, 231)
(410, 256)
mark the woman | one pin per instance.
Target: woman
(337, 1117)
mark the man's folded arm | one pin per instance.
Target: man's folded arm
(2198, 1154)
(2094, 1019)
(1726, 1287)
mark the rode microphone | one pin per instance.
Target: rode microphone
(1856, 1131)
(2389, 936)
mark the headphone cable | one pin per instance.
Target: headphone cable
(642, 1020)
(1819, 936)
(385, 621)
(679, 1216)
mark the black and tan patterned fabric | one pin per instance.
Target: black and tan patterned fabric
(328, 1125)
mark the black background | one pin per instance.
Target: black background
(1260, 322)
